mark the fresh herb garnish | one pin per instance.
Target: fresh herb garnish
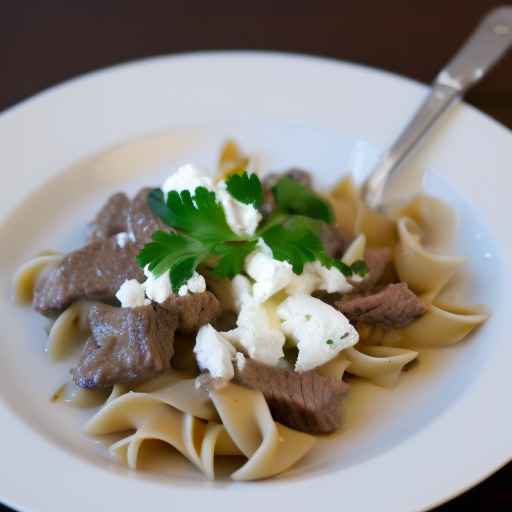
(360, 268)
(330, 342)
(246, 188)
(294, 198)
(202, 234)
(174, 252)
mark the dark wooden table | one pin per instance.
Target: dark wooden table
(43, 43)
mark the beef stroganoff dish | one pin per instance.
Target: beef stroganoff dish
(230, 315)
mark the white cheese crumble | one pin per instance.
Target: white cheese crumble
(123, 238)
(159, 289)
(258, 333)
(131, 294)
(319, 330)
(196, 284)
(214, 353)
(242, 218)
(241, 290)
(187, 177)
(331, 279)
(270, 275)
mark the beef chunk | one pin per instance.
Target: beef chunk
(377, 260)
(270, 180)
(304, 401)
(111, 219)
(94, 272)
(126, 346)
(141, 222)
(393, 306)
(334, 240)
(300, 175)
(194, 310)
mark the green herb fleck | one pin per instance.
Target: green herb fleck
(360, 268)
(246, 188)
(330, 342)
(293, 197)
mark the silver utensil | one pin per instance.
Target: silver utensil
(484, 48)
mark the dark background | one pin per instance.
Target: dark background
(43, 43)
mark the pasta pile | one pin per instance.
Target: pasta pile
(235, 421)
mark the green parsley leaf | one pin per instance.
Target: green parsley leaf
(232, 257)
(360, 268)
(203, 234)
(174, 252)
(200, 217)
(246, 188)
(293, 242)
(294, 198)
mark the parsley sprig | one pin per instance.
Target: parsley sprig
(293, 197)
(201, 234)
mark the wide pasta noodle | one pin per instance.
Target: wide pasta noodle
(354, 218)
(344, 199)
(335, 368)
(380, 364)
(380, 231)
(270, 447)
(27, 275)
(69, 327)
(423, 271)
(435, 219)
(355, 250)
(247, 428)
(232, 160)
(442, 324)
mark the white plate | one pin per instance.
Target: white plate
(444, 428)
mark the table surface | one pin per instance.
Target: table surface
(44, 43)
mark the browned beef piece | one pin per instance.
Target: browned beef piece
(393, 306)
(194, 310)
(377, 260)
(304, 401)
(141, 223)
(111, 219)
(270, 180)
(126, 346)
(334, 240)
(94, 272)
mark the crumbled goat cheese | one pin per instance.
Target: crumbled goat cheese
(131, 294)
(214, 353)
(258, 333)
(270, 275)
(196, 284)
(158, 289)
(241, 289)
(123, 238)
(187, 177)
(319, 330)
(242, 218)
(331, 279)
